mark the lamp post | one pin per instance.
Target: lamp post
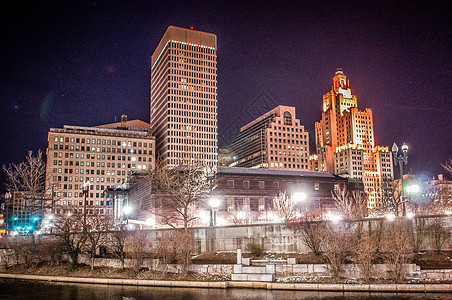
(127, 210)
(412, 190)
(213, 203)
(401, 159)
(85, 193)
(299, 197)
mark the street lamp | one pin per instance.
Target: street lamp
(213, 203)
(127, 210)
(299, 197)
(401, 159)
(412, 189)
(85, 193)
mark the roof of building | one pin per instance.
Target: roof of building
(131, 123)
(251, 171)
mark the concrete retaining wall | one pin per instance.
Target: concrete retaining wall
(260, 285)
(272, 237)
(307, 270)
(437, 274)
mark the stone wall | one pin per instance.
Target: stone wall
(437, 274)
(350, 271)
(272, 237)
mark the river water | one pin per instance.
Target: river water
(22, 289)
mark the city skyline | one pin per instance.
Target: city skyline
(65, 69)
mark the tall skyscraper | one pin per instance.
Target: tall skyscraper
(345, 141)
(184, 97)
(275, 140)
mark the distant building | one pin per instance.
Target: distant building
(24, 209)
(246, 195)
(224, 157)
(276, 140)
(102, 156)
(430, 195)
(313, 162)
(184, 97)
(345, 141)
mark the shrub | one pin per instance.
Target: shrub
(439, 234)
(255, 248)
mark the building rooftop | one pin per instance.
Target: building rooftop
(250, 171)
(131, 123)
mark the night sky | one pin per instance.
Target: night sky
(87, 62)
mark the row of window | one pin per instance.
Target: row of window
(101, 141)
(198, 105)
(192, 81)
(186, 73)
(288, 166)
(288, 159)
(100, 149)
(231, 183)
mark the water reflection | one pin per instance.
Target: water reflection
(20, 289)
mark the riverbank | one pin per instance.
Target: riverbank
(418, 287)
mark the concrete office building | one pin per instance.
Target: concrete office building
(345, 141)
(103, 156)
(276, 140)
(184, 97)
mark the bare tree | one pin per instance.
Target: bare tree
(365, 254)
(165, 252)
(285, 206)
(69, 229)
(352, 205)
(179, 190)
(96, 229)
(447, 166)
(138, 248)
(311, 232)
(116, 241)
(337, 245)
(28, 177)
(439, 234)
(183, 244)
(419, 232)
(397, 247)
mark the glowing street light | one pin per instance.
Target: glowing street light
(334, 217)
(412, 189)
(213, 203)
(299, 197)
(390, 217)
(127, 210)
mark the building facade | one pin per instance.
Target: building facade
(246, 195)
(184, 97)
(23, 211)
(276, 140)
(101, 157)
(345, 141)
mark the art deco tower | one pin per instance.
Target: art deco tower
(184, 97)
(345, 141)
